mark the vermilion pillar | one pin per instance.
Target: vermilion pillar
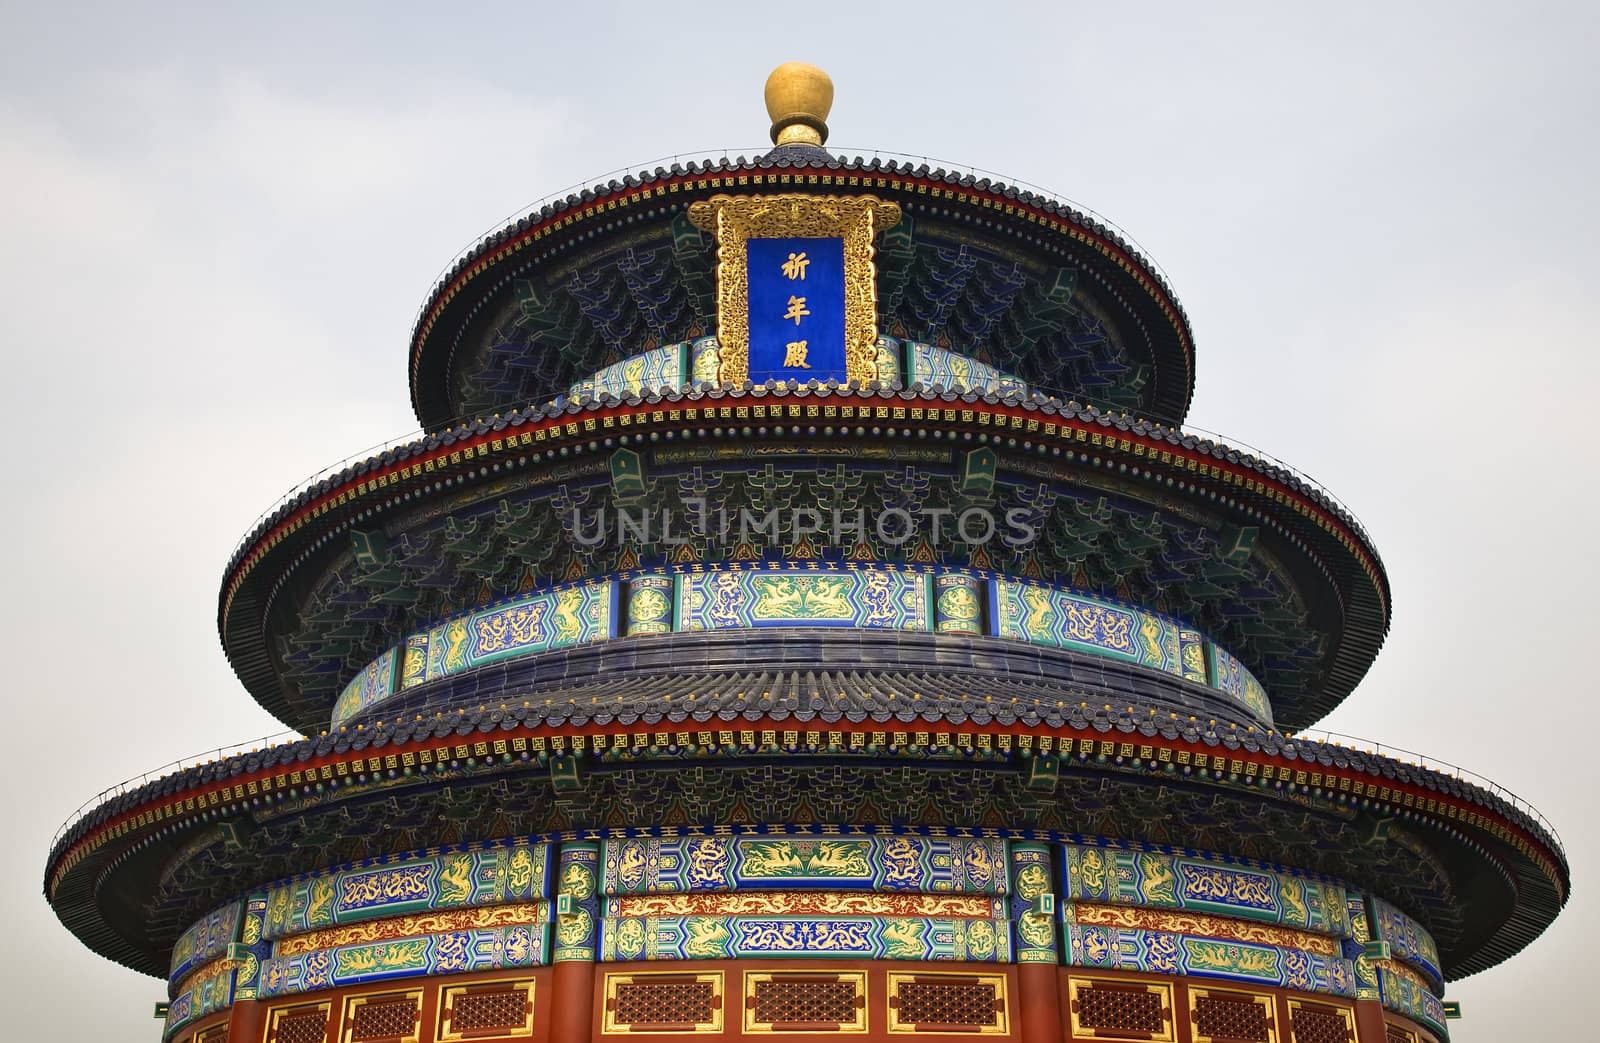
(577, 933)
(1033, 914)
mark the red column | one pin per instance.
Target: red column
(572, 1002)
(1039, 1003)
(577, 936)
(1369, 1022)
(246, 1021)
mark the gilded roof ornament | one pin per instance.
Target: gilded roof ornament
(799, 97)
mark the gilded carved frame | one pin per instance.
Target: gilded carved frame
(610, 1026)
(855, 219)
(1001, 1026)
(446, 1031)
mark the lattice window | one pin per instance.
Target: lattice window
(663, 1002)
(489, 1009)
(1120, 1010)
(384, 1019)
(1227, 1018)
(301, 1026)
(1311, 1024)
(948, 1003)
(497, 1009)
(666, 1004)
(215, 1034)
(805, 1002)
(1396, 1034)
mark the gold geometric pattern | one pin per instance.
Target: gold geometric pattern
(662, 1002)
(1320, 1023)
(1395, 1034)
(411, 926)
(1104, 1009)
(855, 219)
(1203, 925)
(502, 1008)
(805, 903)
(389, 1017)
(778, 1001)
(214, 1034)
(1231, 1017)
(306, 1023)
(971, 1004)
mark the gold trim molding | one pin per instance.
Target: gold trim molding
(1001, 1027)
(347, 1020)
(610, 1026)
(1076, 986)
(735, 220)
(449, 994)
(1255, 999)
(752, 979)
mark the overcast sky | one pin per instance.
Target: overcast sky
(216, 227)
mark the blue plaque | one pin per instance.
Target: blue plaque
(797, 310)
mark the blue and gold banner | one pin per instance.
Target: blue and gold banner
(796, 286)
(796, 309)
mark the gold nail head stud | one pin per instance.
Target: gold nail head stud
(799, 97)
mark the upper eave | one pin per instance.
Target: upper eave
(567, 224)
(136, 831)
(1136, 448)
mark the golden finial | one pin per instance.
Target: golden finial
(798, 99)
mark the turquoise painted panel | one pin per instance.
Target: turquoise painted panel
(1412, 999)
(1041, 614)
(929, 865)
(1360, 934)
(213, 993)
(576, 932)
(659, 369)
(515, 873)
(560, 617)
(1170, 881)
(1232, 678)
(448, 952)
(933, 366)
(862, 598)
(1034, 937)
(1157, 952)
(1409, 941)
(372, 685)
(1046, 615)
(248, 977)
(206, 940)
(863, 937)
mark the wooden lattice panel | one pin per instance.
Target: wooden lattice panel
(778, 1002)
(388, 1018)
(971, 1004)
(214, 1034)
(1231, 1017)
(1318, 1023)
(1395, 1034)
(1102, 1009)
(298, 1025)
(492, 1010)
(663, 1002)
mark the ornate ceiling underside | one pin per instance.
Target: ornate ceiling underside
(1108, 777)
(934, 285)
(1021, 281)
(515, 535)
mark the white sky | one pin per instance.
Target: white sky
(216, 227)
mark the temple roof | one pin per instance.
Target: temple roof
(1481, 875)
(1321, 555)
(1015, 278)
